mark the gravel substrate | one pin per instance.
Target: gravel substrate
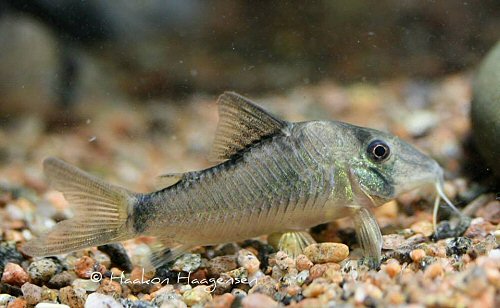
(131, 144)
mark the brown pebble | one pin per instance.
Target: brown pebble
(222, 264)
(317, 271)
(303, 263)
(316, 288)
(257, 300)
(326, 252)
(333, 273)
(61, 280)
(423, 227)
(110, 287)
(221, 301)
(434, 270)
(139, 274)
(84, 267)
(417, 255)
(392, 268)
(14, 274)
(490, 212)
(75, 298)
(265, 285)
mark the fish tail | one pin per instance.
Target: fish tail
(101, 212)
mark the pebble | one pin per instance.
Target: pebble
(9, 253)
(392, 241)
(101, 300)
(197, 295)
(258, 300)
(86, 284)
(238, 292)
(423, 227)
(316, 288)
(366, 291)
(118, 256)
(51, 305)
(490, 212)
(434, 270)
(265, 285)
(219, 265)
(248, 260)
(102, 259)
(18, 303)
(326, 252)
(303, 263)
(32, 293)
(317, 271)
(221, 301)
(417, 255)
(84, 267)
(188, 262)
(49, 295)
(333, 274)
(43, 270)
(14, 274)
(110, 287)
(392, 268)
(309, 302)
(61, 280)
(284, 262)
(75, 298)
(458, 246)
(167, 297)
(302, 277)
(5, 299)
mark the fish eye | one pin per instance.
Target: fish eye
(378, 151)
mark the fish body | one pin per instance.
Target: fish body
(273, 176)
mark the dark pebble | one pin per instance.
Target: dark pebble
(118, 256)
(458, 246)
(9, 253)
(61, 280)
(164, 273)
(447, 230)
(10, 289)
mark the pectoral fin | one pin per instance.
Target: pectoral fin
(368, 233)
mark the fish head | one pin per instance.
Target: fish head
(384, 166)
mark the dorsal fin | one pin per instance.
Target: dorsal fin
(241, 123)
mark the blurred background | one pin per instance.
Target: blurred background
(83, 80)
(69, 52)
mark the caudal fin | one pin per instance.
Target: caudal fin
(101, 212)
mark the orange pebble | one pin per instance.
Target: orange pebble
(417, 255)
